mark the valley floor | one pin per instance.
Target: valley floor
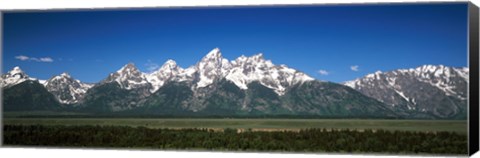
(432, 126)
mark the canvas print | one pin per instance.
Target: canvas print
(356, 79)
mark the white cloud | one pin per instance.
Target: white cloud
(354, 68)
(26, 58)
(151, 66)
(46, 59)
(323, 72)
(22, 57)
(34, 59)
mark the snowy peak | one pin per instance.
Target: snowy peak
(170, 66)
(241, 71)
(258, 56)
(14, 77)
(130, 68)
(433, 74)
(128, 77)
(213, 58)
(441, 71)
(170, 63)
(255, 59)
(212, 67)
(65, 75)
(169, 71)
(450, 80)
(16, 70)
(438, 70)
(407, 83)
(255, 68)
(66, 89)
(429, 68)
(214, 54)
(17, 73)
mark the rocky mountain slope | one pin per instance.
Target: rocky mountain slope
(67, 89)
(29, 95)
(434, 90)
(14, 77)
(251, 86)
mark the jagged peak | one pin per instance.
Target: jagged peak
(128, 77)
(62, 76)
(241, 58)
(432, 65)
(16, 70)
(258, 56)
(168, 66)
(128, 67)
(214, 59)
(13, 77)
(170, 63)
(65, 74)
(436, 70)
(429, 68)
(214, 53)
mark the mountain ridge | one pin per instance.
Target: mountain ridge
(255, 86)
(422, 89)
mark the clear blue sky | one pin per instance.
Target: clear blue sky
(91, 44)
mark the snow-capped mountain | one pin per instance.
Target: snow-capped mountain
(67, 89)
(14, 77)
(128, 77)
(121, 90)
(169, 71)
(242, 71)
(213, 66)
(255, 68)
(248, 86)
(427, 89)
(203, 78)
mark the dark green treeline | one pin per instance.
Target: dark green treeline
(307, 140)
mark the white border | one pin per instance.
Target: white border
(9, 5)
(88, 153)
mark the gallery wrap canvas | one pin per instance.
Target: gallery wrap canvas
(378, 79)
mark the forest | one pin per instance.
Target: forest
(306, 140)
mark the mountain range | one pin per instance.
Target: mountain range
(438, 91)
(246, 86)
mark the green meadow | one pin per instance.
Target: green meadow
(457, 126)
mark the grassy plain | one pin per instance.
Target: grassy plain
(457, 126)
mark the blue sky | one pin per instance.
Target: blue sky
(331, 42)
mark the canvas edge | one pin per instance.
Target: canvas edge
(473, 109)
